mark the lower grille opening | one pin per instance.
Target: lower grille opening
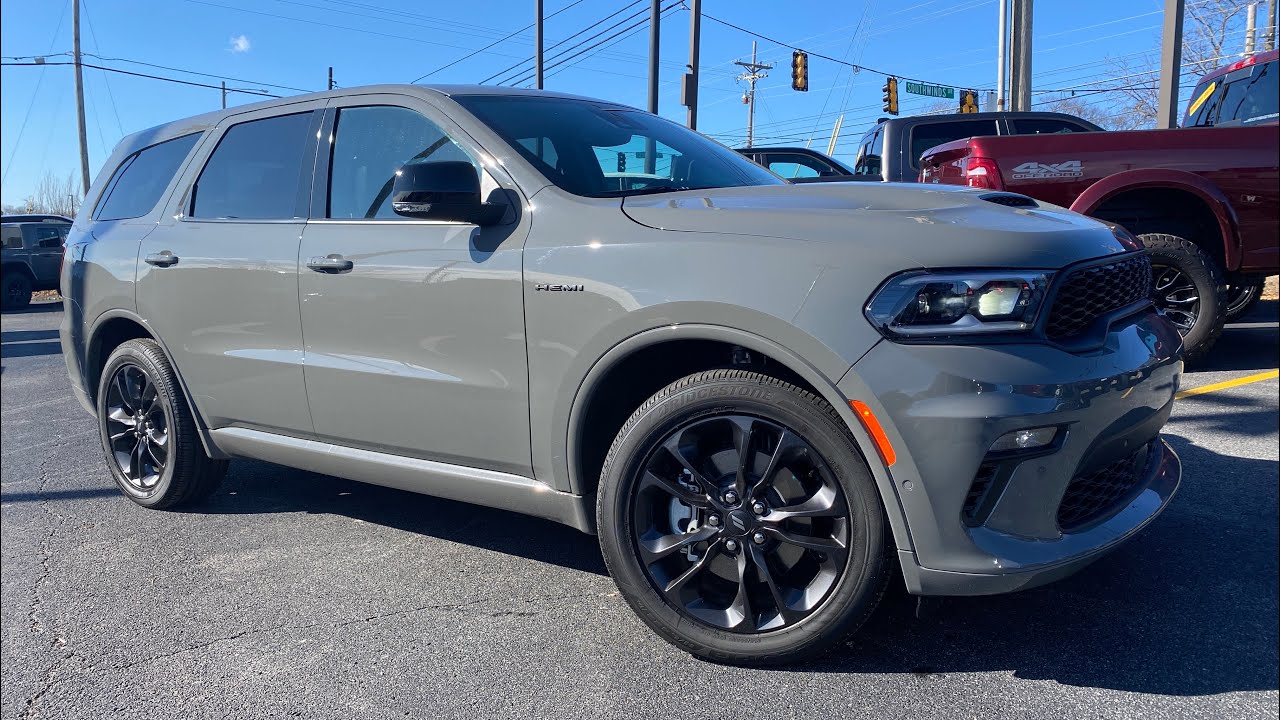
(982, 482)
(1101, 493)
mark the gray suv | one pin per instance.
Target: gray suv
(766, 399)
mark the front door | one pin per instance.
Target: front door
(414, 329)
(220, 282)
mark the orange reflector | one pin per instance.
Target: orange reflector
(872, 425)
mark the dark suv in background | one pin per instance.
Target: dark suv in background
(32, 256)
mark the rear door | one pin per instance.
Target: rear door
(47, 243)
(219, 282)
(418, 347)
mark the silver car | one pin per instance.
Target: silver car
(767, 400)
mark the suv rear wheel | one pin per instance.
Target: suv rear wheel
(740, 522)
(15, 290)
(1188, 287)
(148, 433)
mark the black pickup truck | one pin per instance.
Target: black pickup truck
(32, 256)
(890, 151)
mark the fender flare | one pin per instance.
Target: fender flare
(1218, 203)
(694, 331)
(210, 448)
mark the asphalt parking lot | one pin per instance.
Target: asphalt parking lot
(294, 594)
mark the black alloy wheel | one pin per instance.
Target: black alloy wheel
(137, 428)
(740, 523)
(1188, 288)
(1242, 296)
(1175, 294)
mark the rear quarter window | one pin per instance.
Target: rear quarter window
(924, 137)
(135, 187)
(1047, 126)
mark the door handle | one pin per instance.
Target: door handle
(332, 263)
(164, 258)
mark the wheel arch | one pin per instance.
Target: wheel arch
(18, 266)
(112, 329)
(625, 376)
(1198, 202)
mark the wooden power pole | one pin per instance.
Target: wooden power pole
(75, 51)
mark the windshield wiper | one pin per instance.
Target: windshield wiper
(645, 191)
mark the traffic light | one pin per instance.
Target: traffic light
(891, 95)
(800, 71)
(968, 101)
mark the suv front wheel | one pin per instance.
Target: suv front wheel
(740, 521)
(152, 446)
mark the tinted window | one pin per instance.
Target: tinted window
(869, 152)
(1252, 97)
(370, 144)
(798, 166)
(1203, 105)
(50, 236)
(135, 187)
(12, 237)
(1047, 126)
(257, 171)
(601, 150)
(924, 137)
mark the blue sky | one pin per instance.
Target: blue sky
(293, 42)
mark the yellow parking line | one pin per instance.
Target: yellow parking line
(1259, 377)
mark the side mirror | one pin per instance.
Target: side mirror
(445, 190)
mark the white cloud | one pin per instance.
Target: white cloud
(240, 44)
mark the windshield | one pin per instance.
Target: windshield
(596, 149)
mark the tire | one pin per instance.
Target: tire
(1242, 296)
(15, 291)
(148, 434)
(1188, 287)
(722, 407)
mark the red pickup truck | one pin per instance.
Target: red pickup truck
(1204, 199)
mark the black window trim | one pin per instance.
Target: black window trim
(302, 203)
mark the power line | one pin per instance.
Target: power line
(518, 66)
(584, 55)
(106, 79)
(244, 91)
(580, 55)
(499, 41)
(39, 82)
(196, 72)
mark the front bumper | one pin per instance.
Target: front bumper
(943, 407)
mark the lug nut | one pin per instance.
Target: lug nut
(731, 545)
(758, 538)
(714, 521)
(731, 497)
(759, 508)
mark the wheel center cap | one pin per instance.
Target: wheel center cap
(739, 522)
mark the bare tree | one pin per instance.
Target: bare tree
(54, 196)
(1213, 30)
(1105, 116)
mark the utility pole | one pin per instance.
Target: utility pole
(224, 94)
(537, 42)
(330, 77)
(1170, 64)
(689, 91)
(753, 73)
(1020, 56)
(1269, 35)
(1002, 56)
(75, 49)
(655, 30)
(1250, 28)
(835, 135)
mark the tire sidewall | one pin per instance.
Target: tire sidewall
(130, 353)
(860, 580)
(22, 281)
(1202, 270)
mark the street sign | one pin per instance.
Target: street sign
(938, 91)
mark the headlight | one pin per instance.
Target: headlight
(958, 303)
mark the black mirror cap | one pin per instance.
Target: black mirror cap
(444, 190)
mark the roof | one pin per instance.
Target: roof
(1255, 59)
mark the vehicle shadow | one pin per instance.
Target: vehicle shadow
(36, 307)
(258, 487)
(1253, 343)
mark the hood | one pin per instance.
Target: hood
(933, 226)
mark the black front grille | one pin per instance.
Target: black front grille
(982, 481)
(1100, 493)
(1088, 293)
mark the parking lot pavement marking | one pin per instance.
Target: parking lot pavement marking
(1237, 382)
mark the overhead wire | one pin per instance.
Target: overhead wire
(35, 94)
(518, 69)
(499, 41)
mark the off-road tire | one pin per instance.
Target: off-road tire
(15, 290)
(1211, 287)
(870, 560)
(1243, 295)
(189, 475)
